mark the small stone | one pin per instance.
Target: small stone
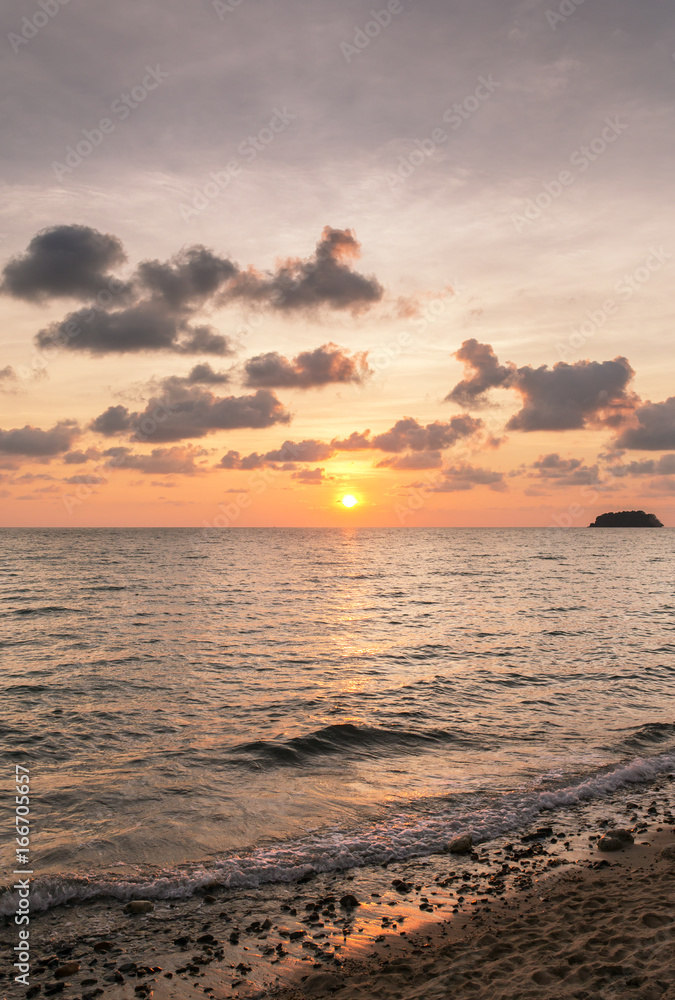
(137, 906)
(669, 852)
(102, 946)
(69, 969)
(625, 835)
(460, 845)
(610, 844)
(349, 901)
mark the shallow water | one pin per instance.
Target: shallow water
(257, 702)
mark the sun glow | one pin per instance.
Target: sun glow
(349, 501)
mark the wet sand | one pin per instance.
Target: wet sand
(542, 914)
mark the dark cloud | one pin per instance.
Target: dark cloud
(290, 453)
(463, 477)
(483, 373)
(189, 279)
(147, 326)
(310, 369)
(36, 443)
(664, 466)
(355, 442)
(114, 420)
(565, 397)
(9, 380)
(417, 460)
(192, 412)
(64, 262)
(570, 397)
(161, 461)
(408, 433)
(76, 458)
(654, 429)
(162, 299)
(324, 279)
(204, 374)
(565, 471)
(311, 477)
(85, 479)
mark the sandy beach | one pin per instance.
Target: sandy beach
(546, 914)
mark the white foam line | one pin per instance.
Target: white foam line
(400, 838)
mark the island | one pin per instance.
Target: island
(627, 519)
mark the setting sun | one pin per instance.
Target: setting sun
(349, 501)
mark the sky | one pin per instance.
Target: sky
(256, 257)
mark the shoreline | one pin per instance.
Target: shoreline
(298, 940)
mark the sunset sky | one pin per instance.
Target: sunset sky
(257, 256)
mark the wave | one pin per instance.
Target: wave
(401, 836)
(50, 609)
(336, 739)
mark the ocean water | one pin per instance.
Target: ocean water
(246, 706)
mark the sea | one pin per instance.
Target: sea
(239, 707)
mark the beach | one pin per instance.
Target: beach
(545, 914)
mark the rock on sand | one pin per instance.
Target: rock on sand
(615, 840)
(139, 906)
(460, 845)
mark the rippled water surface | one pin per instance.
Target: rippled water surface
(193, 697)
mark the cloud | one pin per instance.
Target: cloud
(9, 380)
(565, 397)
(192, 412)
(463, 477)
(654, 429)
(287, 455)
(161, 461)
(36, 443)
(146, 326)
(565, 471)
(355, 442)
(308, 370)
(312, 477)
(87, 479)
(203, 374)
(664, 466)
(63, 262)
(408, 433)
(189, 279)
(324, 279)
(80, 457)
(484, 373)
(418, 460)
(155, 310)
(570, 397)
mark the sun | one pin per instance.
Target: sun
(349, 501)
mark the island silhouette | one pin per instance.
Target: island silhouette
(626, 519)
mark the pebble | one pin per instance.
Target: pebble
(460, 845)
(349, 901)
(139, 906)
(69, 969)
